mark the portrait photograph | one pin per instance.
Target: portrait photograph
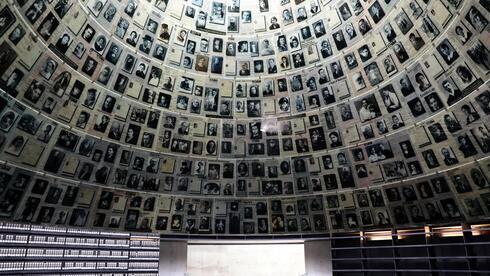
(478, 53)
(96, 6)
(47, 26)
(16, 145)
(246, 16)
(404, 23)
(447, 52)
(29, 124)
(48, 68)
(7, 119)
(373, 73)
(481, 135)
(218, 13)
(46, 132)
(17, 34)
(416, 107)
(368, 108)
(8, 19)
(476, 19)
(389, 66)
(317, 137)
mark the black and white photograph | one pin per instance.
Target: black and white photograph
(416, 107)
(368, 108)
(481, 135)
(63, 43)
(246, 16)
(434, 102)
(28, 123)
(96, 6)
(447, 52)
(48, 68)
(390, 98)
(378, 152)
(129, 63)
(400, 52)
(339, 40)
(373, 73)
(403, 22)
(265, 88)
(376, 12)
(476, 19)
(466, 146)
(478, 52)
(16, 145)
(8, 19)
(7, 119)
(451, 123)
(217, 14)
(48, 26)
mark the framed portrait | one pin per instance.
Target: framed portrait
(476, 19)
(8, 20)
(48, 26)
(29, 123)
(481, 135)
(368, 108)
(218, 13)
(16, 145)
(11, 83)
(96, 6)
(7, 119)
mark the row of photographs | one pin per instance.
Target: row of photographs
(212, 16)
(469, 151)
(424, 98)
(216, 100)
(367, 107)
(113, 52)
(462, 79)
(82, 98)
(234, 17)
(49, 147)
(297, 136)
(300, 142)
(185, 102)
(27, 197)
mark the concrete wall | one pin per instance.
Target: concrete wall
(173, 258)
(318, 258)
(217, 259)
(246, 259)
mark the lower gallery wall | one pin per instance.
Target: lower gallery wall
(173, 258)
(246, 259)
(318, 258)
(286, 258)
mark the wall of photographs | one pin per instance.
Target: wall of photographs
(244, 117)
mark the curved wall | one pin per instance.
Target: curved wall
(259, 117)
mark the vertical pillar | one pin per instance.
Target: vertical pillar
(173, 258)
(318, 258)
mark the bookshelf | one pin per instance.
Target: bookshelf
(450, 250)
(42, 250)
